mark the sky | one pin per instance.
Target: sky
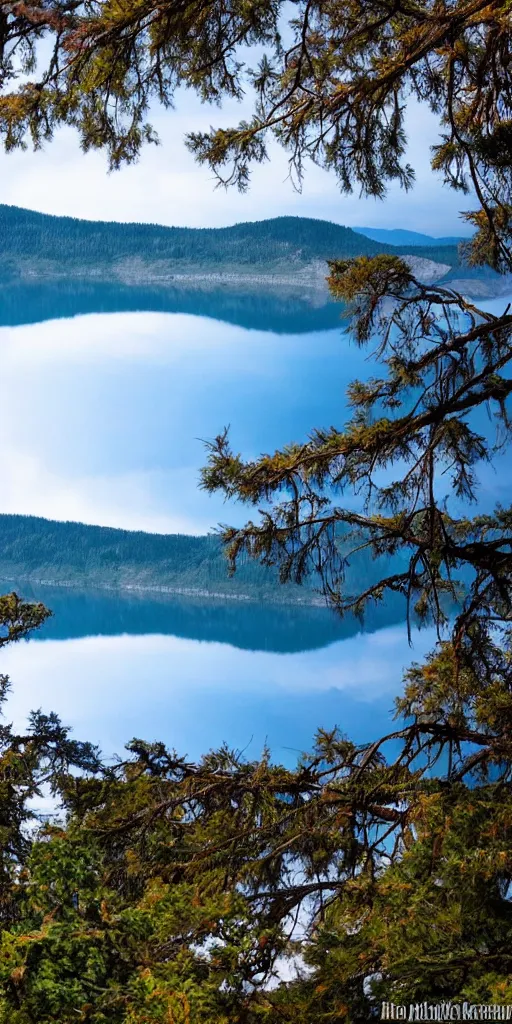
(166, 186)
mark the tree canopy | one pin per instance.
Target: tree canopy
(410, 454)
(332, 85)
(173, 891)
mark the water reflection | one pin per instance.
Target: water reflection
(277, 628)
(197, 695)
(282, 312)
(104, 415)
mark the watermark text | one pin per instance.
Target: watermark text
(445, 1011)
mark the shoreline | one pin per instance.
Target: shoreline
(311, 602)
(309, 277)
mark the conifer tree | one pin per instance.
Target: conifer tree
(31, 766)
(179, 891)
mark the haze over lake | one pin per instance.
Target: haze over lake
(104, 417)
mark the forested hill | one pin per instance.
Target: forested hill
(27, 235)
(44, 551)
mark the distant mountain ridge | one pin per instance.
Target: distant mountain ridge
(280, 253)
(35, 241)
(402, 236)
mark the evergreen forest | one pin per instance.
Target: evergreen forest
(25, 234)
(32, 548)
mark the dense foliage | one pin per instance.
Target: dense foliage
(27, 234)
(172, 891)
(332, 85)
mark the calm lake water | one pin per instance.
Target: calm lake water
(107, 398)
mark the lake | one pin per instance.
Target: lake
(107, 398)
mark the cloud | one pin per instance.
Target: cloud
(364, 665)
(104, 416)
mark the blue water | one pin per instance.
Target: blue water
(195, 695)
(104, 417)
